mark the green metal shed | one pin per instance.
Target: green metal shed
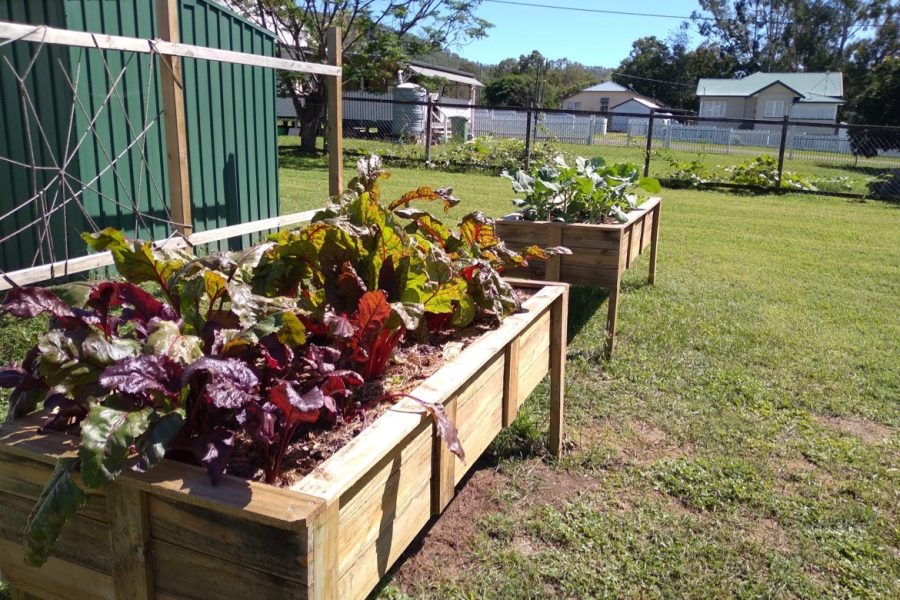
(230, 118)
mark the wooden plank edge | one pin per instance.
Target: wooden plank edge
(255, 501)
(51, 35)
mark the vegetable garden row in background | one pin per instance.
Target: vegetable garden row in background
(677, 168)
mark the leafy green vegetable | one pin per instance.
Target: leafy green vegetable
(590, 191)
(59, 501)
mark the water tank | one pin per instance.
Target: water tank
(600, 125)
(409, 119)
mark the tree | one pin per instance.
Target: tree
(514, 89)
(755, 32)
(787, 35)
(380, 36)
(668, 71)
(534, 80)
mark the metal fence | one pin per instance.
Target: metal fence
(678, 147)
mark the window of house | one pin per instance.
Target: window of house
(573, 105)
(712, 108)
(604, 104)
(774, 109)
(812, 111)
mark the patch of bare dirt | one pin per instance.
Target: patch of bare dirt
(542, 485)
(869, 432)
(442, 551)
(769, 533)
(649, 444)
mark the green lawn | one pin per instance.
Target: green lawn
(742, 443)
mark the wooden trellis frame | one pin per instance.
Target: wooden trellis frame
(171, 52)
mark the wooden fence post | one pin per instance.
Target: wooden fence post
(335, 116)
(649, 149)
(174, 118)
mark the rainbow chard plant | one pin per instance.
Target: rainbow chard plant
(186, 356)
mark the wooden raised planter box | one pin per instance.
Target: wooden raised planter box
(600, 253)
(334, 534)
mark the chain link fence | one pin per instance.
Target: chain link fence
(680, 148)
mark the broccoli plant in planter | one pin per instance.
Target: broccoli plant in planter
(592, 209)
(250, 347)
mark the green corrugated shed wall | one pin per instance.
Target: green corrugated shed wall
(230, 116)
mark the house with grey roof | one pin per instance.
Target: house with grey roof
(602, 97)
(809, 97)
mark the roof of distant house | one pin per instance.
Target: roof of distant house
(607, 86)
(447, 73)
(813, 87)
(643, 101)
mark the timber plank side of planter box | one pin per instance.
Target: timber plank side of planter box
(171, 534)
(600, 253)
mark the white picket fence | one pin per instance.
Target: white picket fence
(577, 129)
(669, 134)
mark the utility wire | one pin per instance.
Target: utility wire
(617, 74)
(613, 12)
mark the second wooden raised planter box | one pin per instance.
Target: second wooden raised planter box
(600, 253)
(171, 534)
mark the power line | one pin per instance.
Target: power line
(594, 10)
(616, 12)
(617, 74)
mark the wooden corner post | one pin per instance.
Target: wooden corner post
(335, 115)
(654, 243)
(129, 537)
(559, 316)
(174, 118)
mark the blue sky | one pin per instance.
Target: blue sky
(592, 39)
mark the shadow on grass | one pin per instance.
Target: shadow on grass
(294, 158)
(583, 304)
(861, 169)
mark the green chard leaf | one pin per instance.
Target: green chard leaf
(106, 437)
(167, 339)
(152, 444)
(137, 261)
(59, 500)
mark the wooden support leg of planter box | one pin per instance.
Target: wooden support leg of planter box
(559, 315)
(511, 382)
(443, 472)
(324, 568)
(129, 536)
(611, 317)
(654, 242)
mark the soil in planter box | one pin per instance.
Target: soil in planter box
(313, 445)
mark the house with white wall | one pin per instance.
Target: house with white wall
(601, 97)
(810, 97)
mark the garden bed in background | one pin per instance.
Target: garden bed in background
(600, 253)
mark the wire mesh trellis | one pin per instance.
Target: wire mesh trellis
(85, 144)
(50, 199)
